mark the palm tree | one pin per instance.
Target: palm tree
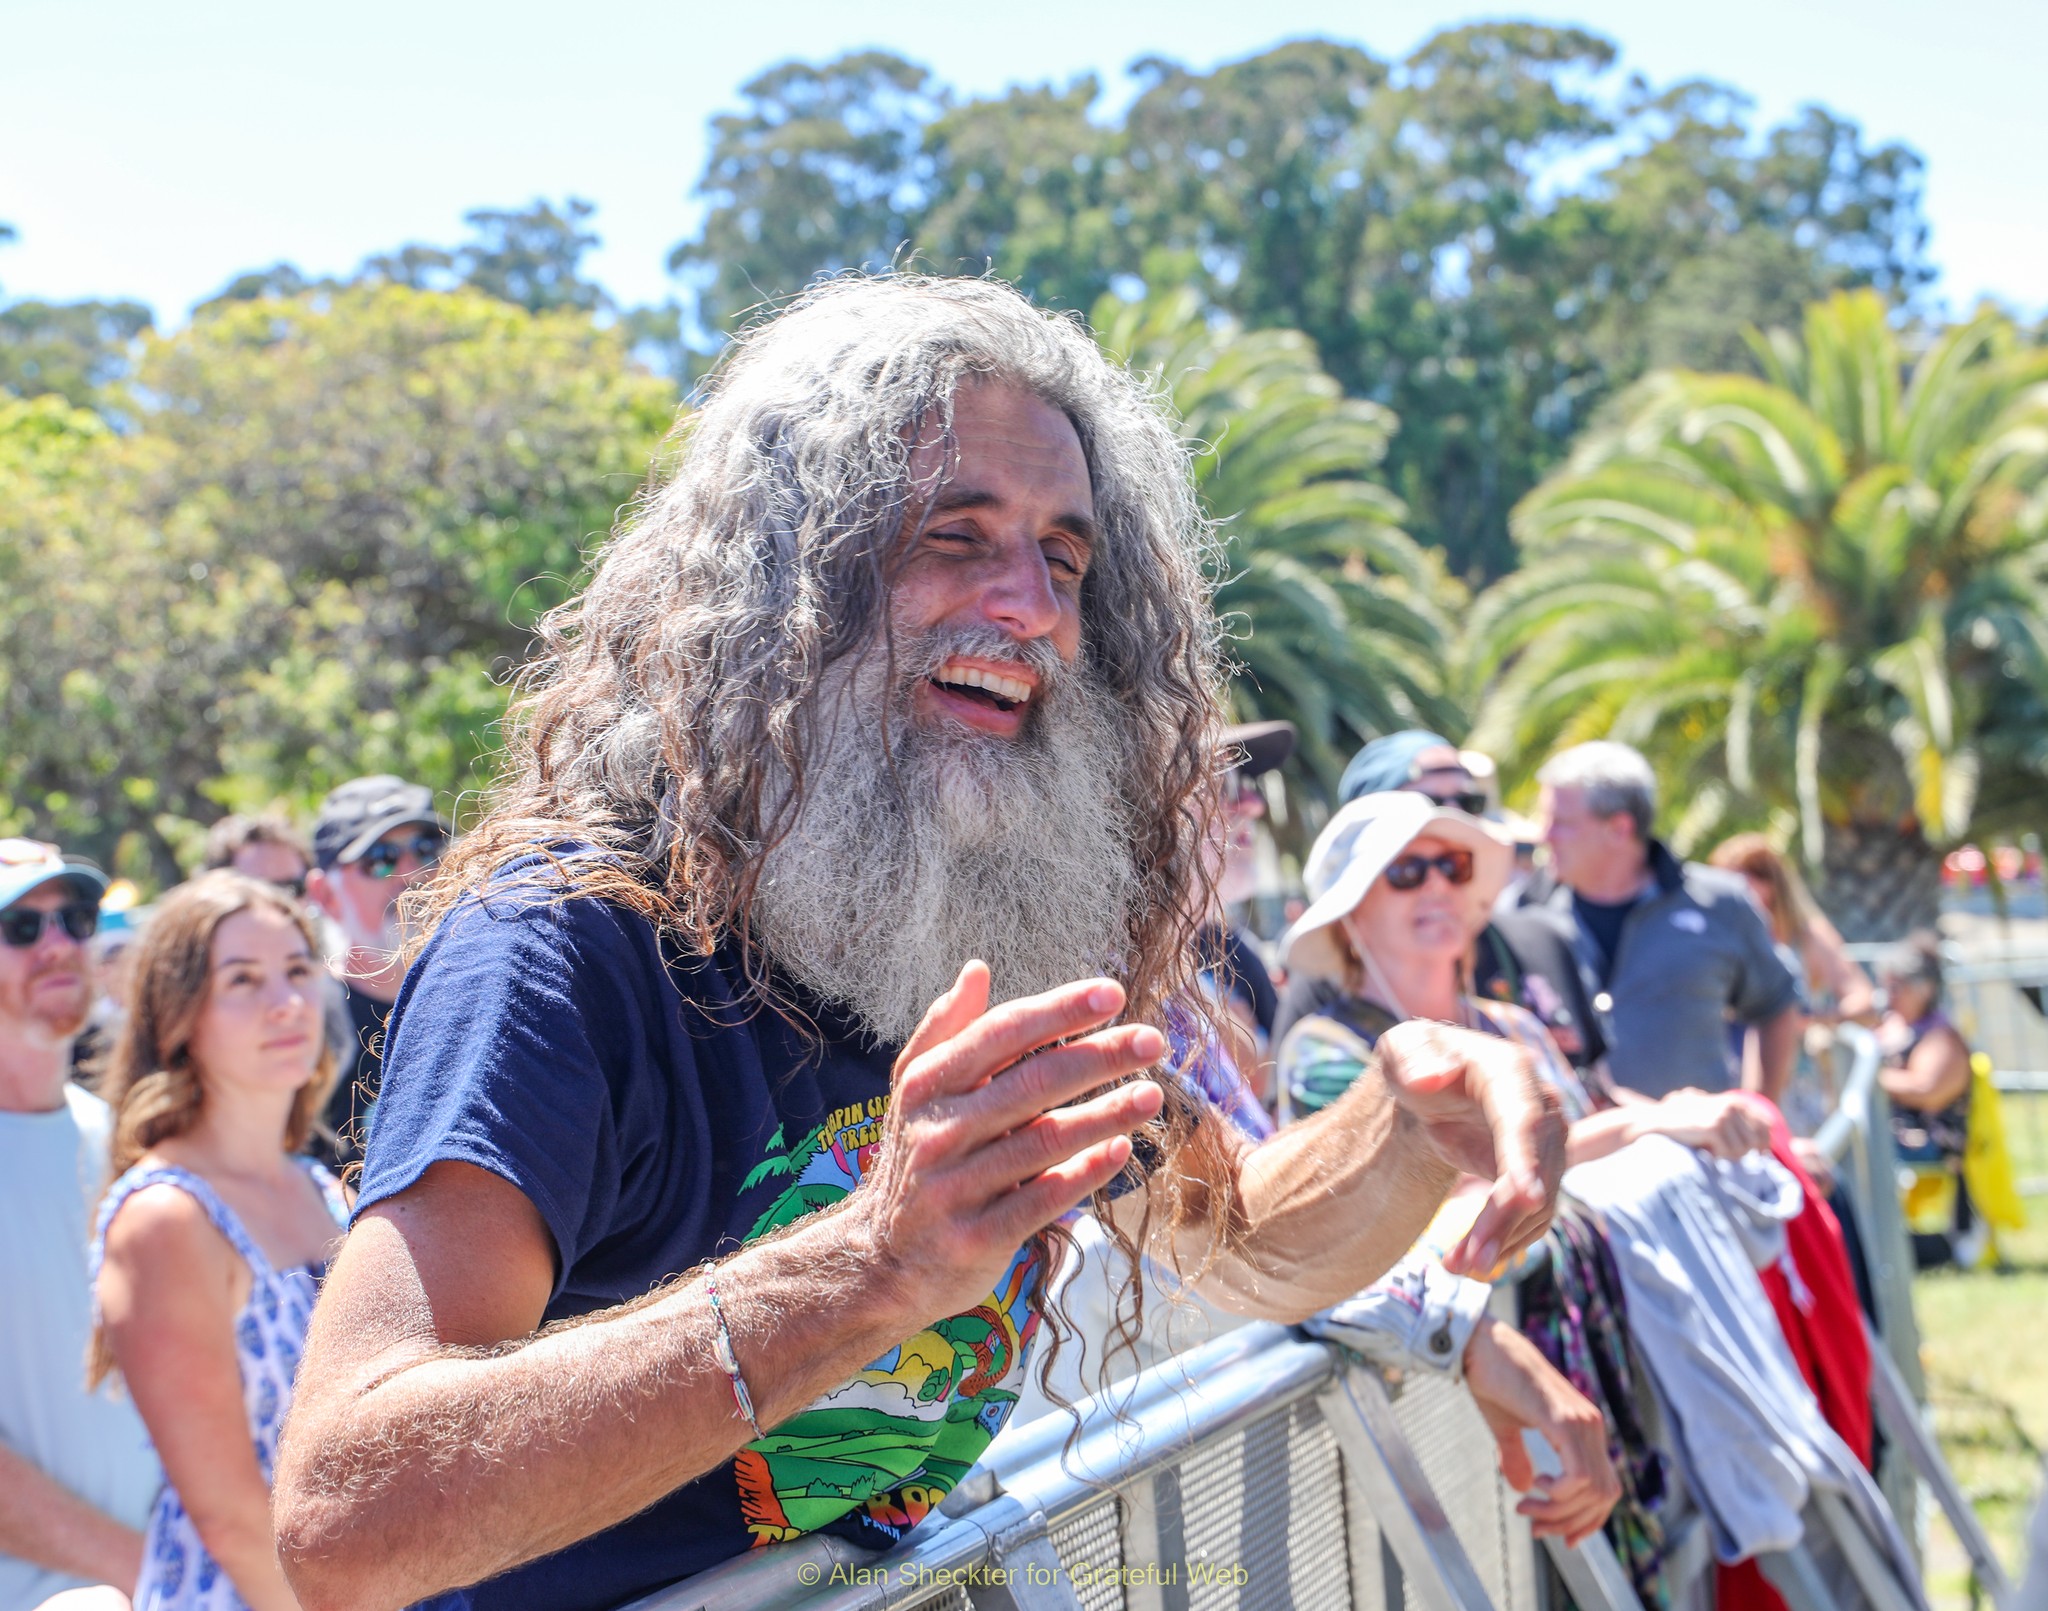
(1815, 598)
(1341, 622)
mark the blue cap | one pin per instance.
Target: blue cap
(1388, 763)
(29, 864)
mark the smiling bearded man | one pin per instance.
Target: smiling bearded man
(907, 856)
(806, 968)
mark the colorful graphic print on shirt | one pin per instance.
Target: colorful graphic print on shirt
(886, 1447)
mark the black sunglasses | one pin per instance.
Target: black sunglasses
(1408, 872)
(381, 859)
(22, 926)
(1472, 803)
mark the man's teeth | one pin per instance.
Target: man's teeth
(1002, 687)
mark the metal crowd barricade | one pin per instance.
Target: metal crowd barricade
(1261, 1470)
(1266, 1470)
(1858, 1138)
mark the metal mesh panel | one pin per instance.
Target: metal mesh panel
(1091, 1548)
(1371, 1578)
(1458, 1456)
(1261, 1518)
(952, 1598)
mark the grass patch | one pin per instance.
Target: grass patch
(1982, 1336)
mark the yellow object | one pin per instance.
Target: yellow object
(1929, 1201)
(1987, 1161)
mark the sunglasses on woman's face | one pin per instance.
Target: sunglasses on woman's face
(22, 926)
(1409, 872)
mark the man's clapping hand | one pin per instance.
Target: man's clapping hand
(981, 1149)
(1478, 1104)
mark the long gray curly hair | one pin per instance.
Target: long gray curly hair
(665, 701)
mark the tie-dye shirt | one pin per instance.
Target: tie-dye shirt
(657, 1118)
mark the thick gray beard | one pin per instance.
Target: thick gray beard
(902, 868)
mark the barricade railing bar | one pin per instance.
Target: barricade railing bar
(1857, 1137)
(1266, 1469)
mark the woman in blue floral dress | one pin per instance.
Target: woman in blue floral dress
(214, 1233)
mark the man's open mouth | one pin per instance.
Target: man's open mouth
(998, 690)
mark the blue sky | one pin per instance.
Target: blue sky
(154, 150)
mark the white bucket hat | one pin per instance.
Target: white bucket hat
(1356, 848)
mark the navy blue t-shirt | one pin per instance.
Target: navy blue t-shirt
(657, 1117)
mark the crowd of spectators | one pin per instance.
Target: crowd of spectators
(235, 1045)
(639, 1181)
(1653, 993)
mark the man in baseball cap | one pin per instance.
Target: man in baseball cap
(374, 838)
(76, 1475)
(1231, 962)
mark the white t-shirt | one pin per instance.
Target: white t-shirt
(53, 1167)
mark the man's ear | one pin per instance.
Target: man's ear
(321, 892)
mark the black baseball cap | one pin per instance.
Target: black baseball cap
(1251, 748)
(363, 810)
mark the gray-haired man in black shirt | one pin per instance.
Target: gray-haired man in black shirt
(1671, 952)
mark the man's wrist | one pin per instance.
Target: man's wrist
(764, 1288)
(1414, 1146)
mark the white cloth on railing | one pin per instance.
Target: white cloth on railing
(1417, 1315)
(1747, 1431)
(1761, 1197)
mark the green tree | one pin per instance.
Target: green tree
(316, 553)
(1765, 228)
(1815, 598)
(823, 170)
(1407, 216)
(73, 350)
(1341, 621)
(532, 257)
(1025, 187)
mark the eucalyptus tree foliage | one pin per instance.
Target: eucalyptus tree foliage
(1490, 235)
(1815, 597)
(1340, 620)
(315, 553)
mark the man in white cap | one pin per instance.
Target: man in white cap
(76, 1474)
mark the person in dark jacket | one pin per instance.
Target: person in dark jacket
(1668, 951)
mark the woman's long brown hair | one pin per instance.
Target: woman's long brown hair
(152, 1083)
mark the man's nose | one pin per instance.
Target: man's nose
(1020, 597)
(56, 937)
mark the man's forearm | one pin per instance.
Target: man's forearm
(44, 1522)
(449, 1466)
(1321, 1210)
(1777, 1044)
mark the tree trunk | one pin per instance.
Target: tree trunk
(1878, 882)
